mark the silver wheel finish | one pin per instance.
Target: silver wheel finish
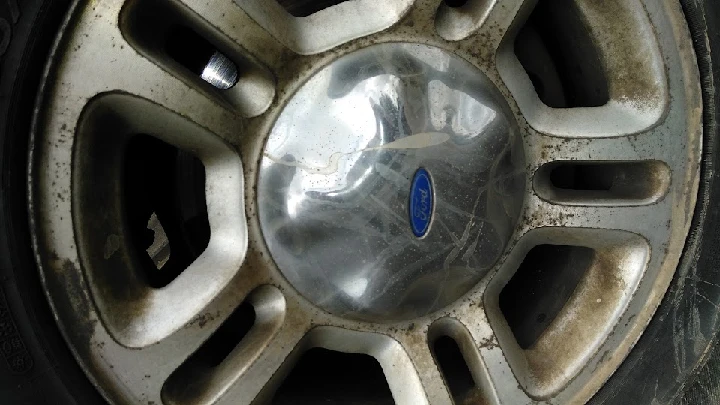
(115, 330)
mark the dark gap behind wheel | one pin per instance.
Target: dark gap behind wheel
(194, 376)
(583, 177)
(304, 8)
(588, 181)
(456, 372)
(216, 349)
(560, 58)
(455, 3)
(163, 181)
(328, 377)
(188, 48)
(541, 287)
(179, 43)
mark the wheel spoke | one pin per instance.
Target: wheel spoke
(620, 171)
(542, 149)
(162, 360)
(205, 377)
(257, 378)
(484, 356)
(230, 19)
(128, 96)
(489, 20)
(158, 363)
(136, 313)
(609, 268)
(640, 220)
(637, 91)
(630, 199)
(426, 368)
(327, 28)
(104, 62)
(420, 20)
(407, 363)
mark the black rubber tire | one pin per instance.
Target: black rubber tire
(38, 368)
(36, 365)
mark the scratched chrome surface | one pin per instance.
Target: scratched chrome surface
(336, 174)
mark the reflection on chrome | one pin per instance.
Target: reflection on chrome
(334, 184)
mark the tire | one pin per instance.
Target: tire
(37, 367)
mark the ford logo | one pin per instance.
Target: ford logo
(421, 202)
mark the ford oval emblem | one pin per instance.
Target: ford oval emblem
(421, 202)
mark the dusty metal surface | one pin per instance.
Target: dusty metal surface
(116, 329)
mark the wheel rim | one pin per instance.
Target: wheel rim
(628, 236)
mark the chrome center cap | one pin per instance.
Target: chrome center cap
(391, 182)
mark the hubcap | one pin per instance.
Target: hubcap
(339, 176)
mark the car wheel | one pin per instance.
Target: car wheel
(412, 202)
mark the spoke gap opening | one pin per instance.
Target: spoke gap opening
(540, 288)
(334, 378)
(455, 3)
(457, 19)
(560, 57)
(188, 47)
(304, 8)
(165, 208)
(200, 57)
(195, 375)
(456, 371)
(217, 348)
(594, 182)
(589, 177)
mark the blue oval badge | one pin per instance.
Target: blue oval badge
(421, 202)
